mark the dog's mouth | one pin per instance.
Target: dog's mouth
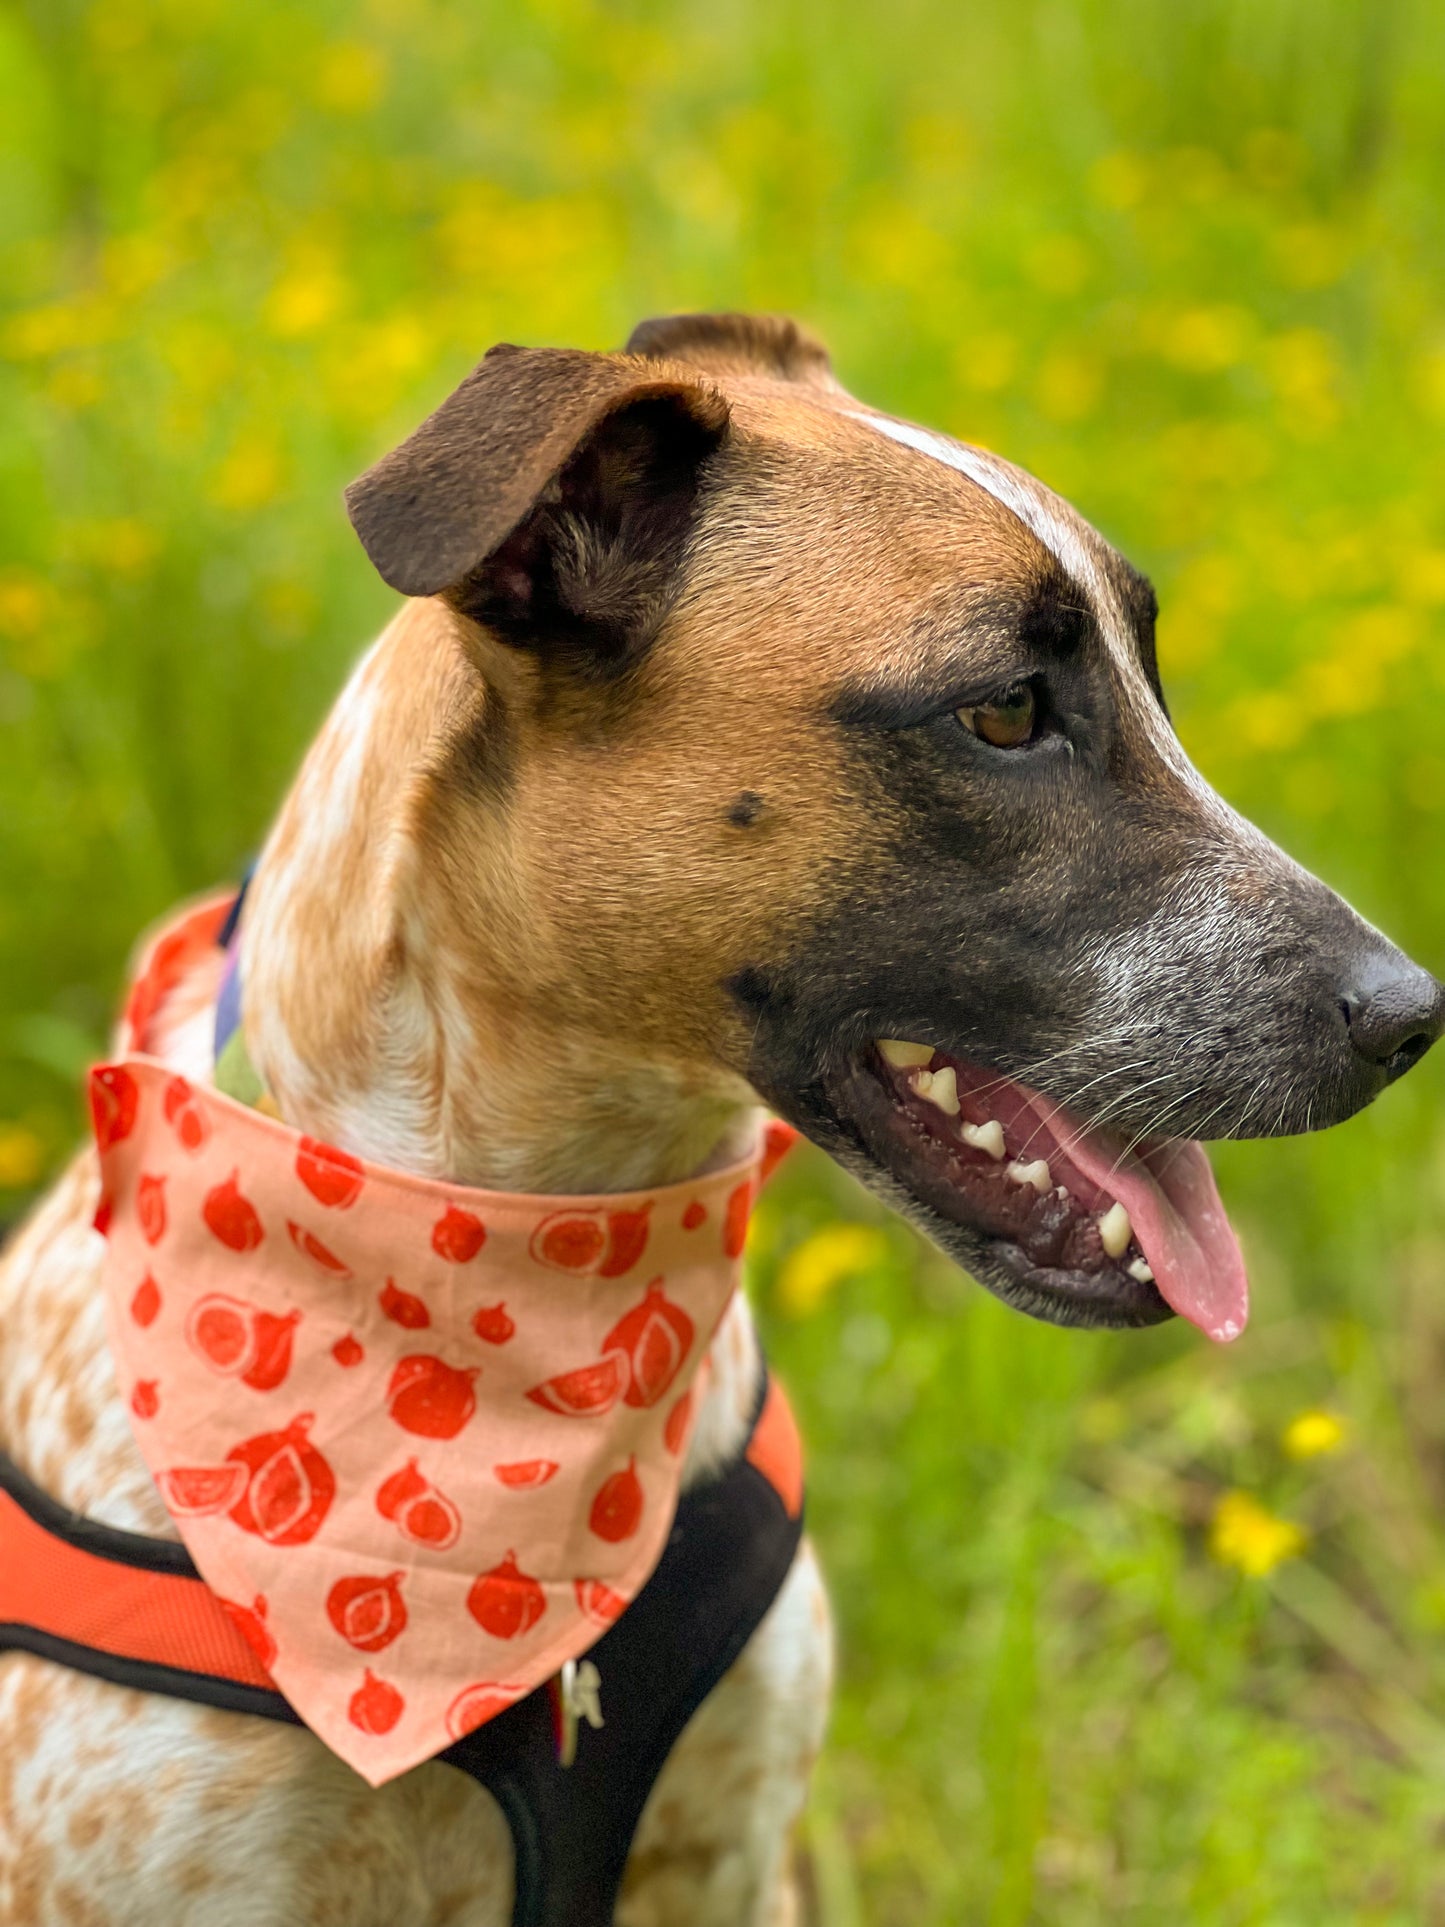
(1083, 1226)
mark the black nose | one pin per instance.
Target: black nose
(1394, 1011)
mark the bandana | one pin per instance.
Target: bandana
(423, 1441)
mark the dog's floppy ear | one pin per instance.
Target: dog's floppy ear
(738, 344)
(549, 497)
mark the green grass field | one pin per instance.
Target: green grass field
(1133, 1631)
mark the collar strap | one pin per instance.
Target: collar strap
(234, 1072)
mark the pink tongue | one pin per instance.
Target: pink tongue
(1181, 1226)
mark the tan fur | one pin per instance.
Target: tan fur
(526, 996)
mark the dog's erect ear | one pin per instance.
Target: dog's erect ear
(549, 497)
(738, 344)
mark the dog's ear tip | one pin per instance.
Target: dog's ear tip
(405, 562)
(431, 510)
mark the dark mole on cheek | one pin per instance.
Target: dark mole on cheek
(745, 809)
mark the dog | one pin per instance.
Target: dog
(736, 744)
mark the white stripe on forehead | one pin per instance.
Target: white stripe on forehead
(1038, 509)
(996, 479)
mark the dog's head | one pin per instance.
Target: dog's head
(830, 755)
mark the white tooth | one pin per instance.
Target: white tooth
(984, 1137)
(1115, 1230)
(1138, 1269)
(938, 1087)
(904, 1056)
(1036, 1174)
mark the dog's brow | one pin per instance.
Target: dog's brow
(965, 656)
(899, 699)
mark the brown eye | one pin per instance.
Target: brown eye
(1007, 723)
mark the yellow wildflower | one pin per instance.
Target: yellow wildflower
(250, 476)
(811, 1271)
(22, 1156)
(1245, 1535)
(1205, 340)
(1311, 1434)
(1119, 180)
(351, 77)
(1069, 384)
(987, 361)
(308, 295)
(27, 602)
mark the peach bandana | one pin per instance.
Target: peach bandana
(423, 1441)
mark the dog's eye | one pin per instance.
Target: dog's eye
(1007, 723)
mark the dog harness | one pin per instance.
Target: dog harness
(423, 1445)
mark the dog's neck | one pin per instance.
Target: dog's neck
(391, 1005)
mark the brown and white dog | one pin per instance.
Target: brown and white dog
(732, 727)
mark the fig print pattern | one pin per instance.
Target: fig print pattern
(425, 1441)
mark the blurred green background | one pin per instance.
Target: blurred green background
(1132, 1630)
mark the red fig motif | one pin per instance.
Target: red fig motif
(369, 1613)
(586, 1393)
(778, 1140)
(218, 1330)
(599, 1603)
(695, 1214)
(506, 1601)
(184, 1114)
(735, 1225)
(231, 1217)
(145, 1302)
(675, 1431)
(430, 1398)
(494, 1324)
(403, 1307)
(114, 1101)
(290, 1485)
(617, 1509)
(273, 1336)
(656, 1336)
(525, 1474)
(477, 1704)
(197, 1491)
(311, 1247)
(400, 1489)
(458, 1235)
(250, 1623)
(375, 1706)
(626, 1241)
(570, 1241)
(241, 1341)
(431, 1521)
(334, 1178)
(348, 1351)
(601, 1244)
(145, 1400)
(150, 1207)
(419, 1511)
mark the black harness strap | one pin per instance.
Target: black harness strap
(732, 1544)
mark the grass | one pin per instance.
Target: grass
(1183, 261)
